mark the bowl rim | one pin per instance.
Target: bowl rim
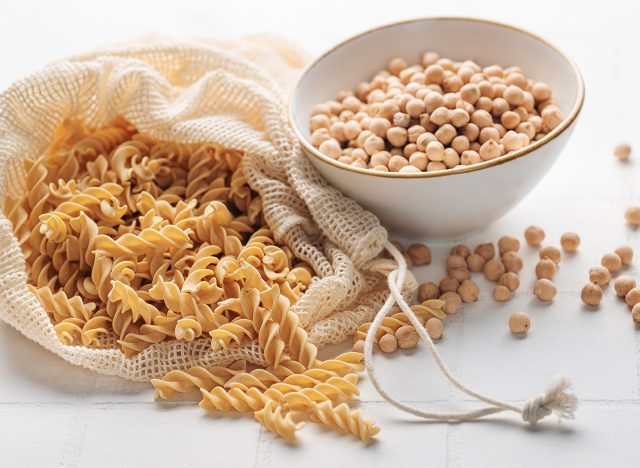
(460, 169)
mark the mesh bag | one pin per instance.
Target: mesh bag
(228, 93)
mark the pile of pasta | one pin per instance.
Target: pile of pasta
(130, 241)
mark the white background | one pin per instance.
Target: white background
(53, 414)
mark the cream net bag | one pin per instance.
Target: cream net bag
(231, 94)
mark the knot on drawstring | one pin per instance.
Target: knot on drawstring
(555, 399)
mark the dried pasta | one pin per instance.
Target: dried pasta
(130, 241)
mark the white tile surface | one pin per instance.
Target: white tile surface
(54, 414)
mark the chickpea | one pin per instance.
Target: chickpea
(551, 116)
(468, 291)
(599, 275)
(508, 244)
(519, 323)
(475, 262)
(633, 297)
(512, 141)
(452, 302)
(552, 253)
(570, 241)
(544, 289)
(486, 251)
(470, 157)
(490, 150)
(622, 151)
(488, 133)
(456, 261)
(428, 291)
(331, 148)
(436, 166)
(635, 315)
(373, 144)
(625, 253)
(434, 327)
(434, 74)
(512, 262)
(534, 235)
(510, 120)
(419, 160)
(460, 274)
(546, 268)
(397, 162)
(611, 261)
(501, 294)
(514, 95)
(510, 280)
(420, 254)
(459, 117)
(470, 93)
(407, 337)
(541, 91)
(623, 285)
(632, 215)
(481, 118)
(591, 294)
(449, 284)
(388, 343)
(380, 158)
(493, 269)
(451, 158)
(379, 126)
(461, 250)
(435, 151)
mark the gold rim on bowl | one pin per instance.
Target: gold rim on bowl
(564, 125)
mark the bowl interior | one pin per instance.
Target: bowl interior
(487, 43)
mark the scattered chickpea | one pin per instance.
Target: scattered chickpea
(501, 294)
(460, 274)
(512, 261)
(358, 346)
(420, 254)
(475, 262)
(635, 315)
(493, 269)
(633, 297)
(622, 151)
(632, 215)
(388, 343)
(461, 250)
(510, 280)
(544, 289)
(570, 241)
(611, 261)
(468, 291)
(591, 294)
(455, 261)
(407, 337)
(546, 268)
(534, 235)
(519, 323)
(623, 285)
(449, 283)
(486, 251)
(599, 275)
(508, 244)
(434, 327)
(428, 291)
(625, 253)
(552, 253)
(452, 302)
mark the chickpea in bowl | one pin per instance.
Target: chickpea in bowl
(438, 143)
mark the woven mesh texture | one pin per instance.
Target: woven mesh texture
(230, 93)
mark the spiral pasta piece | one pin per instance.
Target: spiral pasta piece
(235, 332)
(148, 239)
(178, 381)
(276, 420)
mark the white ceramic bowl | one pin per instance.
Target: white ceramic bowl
(442, 203)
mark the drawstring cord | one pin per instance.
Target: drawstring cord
(555, 399)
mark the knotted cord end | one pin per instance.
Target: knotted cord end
(556, 399)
